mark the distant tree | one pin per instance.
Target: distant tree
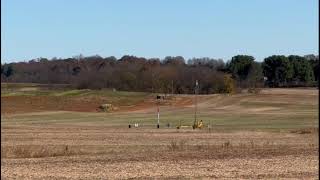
(278, 70)
(229, 84)
(111, 58)
(302, 70)
(43, 60)
(7, 70)
(240, 66)
(314, 61)
(132, 60)
(153, 62)
(216, 64)
(76, 70)
(171, 74)
(129, 80)
(255, 75)
(178, 60)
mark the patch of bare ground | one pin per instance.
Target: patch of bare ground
(27, 104)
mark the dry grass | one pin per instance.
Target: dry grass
(177, 145)
(314, 130)
(38, 151)
(98, 153)
(174, 150)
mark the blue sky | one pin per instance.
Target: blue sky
(157, 28)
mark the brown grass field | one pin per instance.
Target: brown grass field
(60, 134)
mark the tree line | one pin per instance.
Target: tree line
(173, 74)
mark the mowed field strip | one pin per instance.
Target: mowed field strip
(59, 134)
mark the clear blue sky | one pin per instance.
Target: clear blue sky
(157, 28)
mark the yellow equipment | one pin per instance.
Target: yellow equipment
(197, 124)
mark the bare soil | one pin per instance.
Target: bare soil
(27, 104)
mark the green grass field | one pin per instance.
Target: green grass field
(265, 111)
